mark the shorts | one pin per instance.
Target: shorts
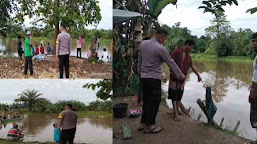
(175, 95)
(20, 52)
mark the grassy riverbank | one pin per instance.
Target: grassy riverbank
(214, 57)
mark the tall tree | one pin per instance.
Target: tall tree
(219, 31)
(30, 98)
(75, 14)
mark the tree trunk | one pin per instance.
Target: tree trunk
(56, 27)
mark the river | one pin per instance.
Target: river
(229, 82)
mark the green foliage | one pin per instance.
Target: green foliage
(72, 13)
(6, 8)
(156, 6)
(177, 36)
(59, 106)
(252, 10)
(105, 88)
(100, 106)
(215, 6)
(30, 98)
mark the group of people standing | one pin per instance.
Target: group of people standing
(152, 54)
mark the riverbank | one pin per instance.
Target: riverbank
(87, 41)
(185, 131)
(214, 57)
(13, 67)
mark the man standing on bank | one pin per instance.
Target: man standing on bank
(63, 46)
(253, 92)
(176, 87)
(27, 54)
(68, 122)
(152, 55)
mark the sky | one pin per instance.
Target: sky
(106, 12)
(52, 89)
(196, 21)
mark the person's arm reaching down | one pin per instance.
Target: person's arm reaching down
(196, 72)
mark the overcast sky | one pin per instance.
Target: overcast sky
(190, 16)
(106, 12)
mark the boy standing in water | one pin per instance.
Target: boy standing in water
(176, 87)
(56, 133)
(253, 92)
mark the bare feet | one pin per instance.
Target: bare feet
(176, 118)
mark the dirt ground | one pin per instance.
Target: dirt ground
(186, 131)
(12, 67)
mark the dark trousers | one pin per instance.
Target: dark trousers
(64, 62)
(28, 63)
(151, 100)
(67, 136)
(140, 93)
(78, 52)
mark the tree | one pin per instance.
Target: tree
(74, 14)
(105, 88)
(6, 8)
(220, 31)
(30, 98)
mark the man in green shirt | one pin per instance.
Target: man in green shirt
(27, 53)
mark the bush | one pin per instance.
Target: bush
(59, 106)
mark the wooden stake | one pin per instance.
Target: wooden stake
(221, 123)
(199, 117)
(236, 127)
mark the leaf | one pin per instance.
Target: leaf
(207, 3)
(252, 10)
(235, 2)
(202, 7)
(156, 6)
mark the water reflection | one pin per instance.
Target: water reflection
(8, 47)
(229, 82)
(38, 127)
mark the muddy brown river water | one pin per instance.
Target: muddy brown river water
(229, 82)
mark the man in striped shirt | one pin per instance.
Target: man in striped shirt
(14, 134)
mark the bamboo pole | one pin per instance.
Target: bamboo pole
(221, 123)
(204, 109)
(199, 117)
(236, 127)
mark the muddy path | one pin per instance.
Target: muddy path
(186, 131)
(13, 68)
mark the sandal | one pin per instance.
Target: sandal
(153, 130)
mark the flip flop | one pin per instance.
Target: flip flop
(152, 131)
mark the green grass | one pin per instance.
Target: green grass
(214, 57)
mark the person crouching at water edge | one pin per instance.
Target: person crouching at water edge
(56, 133)
(176, 87)
(68, 122)
(63, 45)
(27, 53)
(14, 134)
(253, 87)
(151, 56)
